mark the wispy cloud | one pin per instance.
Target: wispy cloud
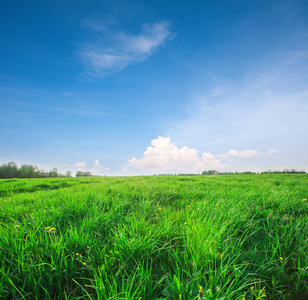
(273, 151)
(266, 109)
(242, 153)
(109, 52)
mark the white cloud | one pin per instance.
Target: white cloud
(97, 164)
(243, 153)
(98, 169)
(110, 52)
(80, 165)
(273, 151)
(265, 109)
(165, 157)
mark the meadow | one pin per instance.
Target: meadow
(155, 237)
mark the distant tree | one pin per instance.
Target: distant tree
(248, 172)
(68, 174)
(13, 169)
(54, 173)
(27, 171)
(285, 171)
(210, 172)
(79, 174)
(43, 174)
(9, 170)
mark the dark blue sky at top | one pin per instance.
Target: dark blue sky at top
(53, 112)
(39, 37)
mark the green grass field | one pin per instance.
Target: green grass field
(157, 237)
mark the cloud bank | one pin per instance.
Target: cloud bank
(165, 157)
(109, 52)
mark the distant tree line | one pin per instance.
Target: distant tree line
(215, 172)
(80, 173)
(292, 171)
(11, 170)
(210, 172)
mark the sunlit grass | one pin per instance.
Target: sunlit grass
(159, 237)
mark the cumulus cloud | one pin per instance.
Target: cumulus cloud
(165, 157)
(109, 52)
(98, 169)
(97, 164)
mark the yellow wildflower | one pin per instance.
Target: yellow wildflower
(16, 226)
(188, 205)
(84, 263)
(160, 208)
(47, 228)
(185, 223)
(281, 258)
(201, 290)
(217, 204)
(110, 251)
(304, 200)
(52, 229)
(77, 254)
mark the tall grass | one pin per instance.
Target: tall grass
(158, 237)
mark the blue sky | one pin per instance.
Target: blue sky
(149, 87)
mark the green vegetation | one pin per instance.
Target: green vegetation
(158, 237)
(11, 170)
